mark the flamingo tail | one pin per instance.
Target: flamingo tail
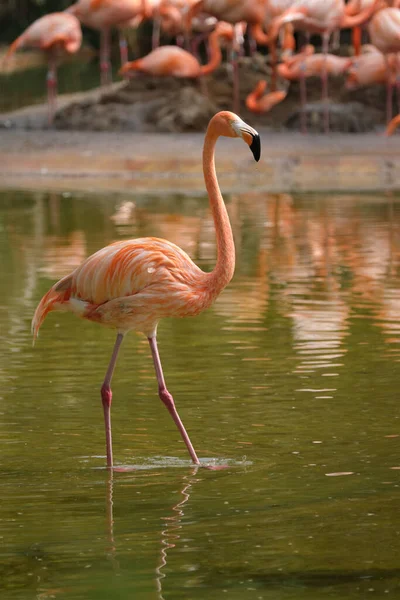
(18, 43)
(52, 300)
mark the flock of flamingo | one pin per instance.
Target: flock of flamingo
(269, 23)
(132, 284)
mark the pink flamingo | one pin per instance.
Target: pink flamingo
(259, 102)
(175, 61)
(370, 68)
(132, 284)
(105, 14)
(307, 64)
(393, 125)
(323, 17)
(384, 31)
(55, 34)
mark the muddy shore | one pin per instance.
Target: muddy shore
(140, 162)
(147, 134)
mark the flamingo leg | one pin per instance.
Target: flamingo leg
(156, 33)
(397, 64)
(274, 62)
(235, 80)
(303, 89)
(106, 398)
(303, 98)
(168, 400)
(123, 49)
(51, 87)
(389, 91)
(105, 57)
(324, 77)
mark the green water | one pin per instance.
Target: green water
(28, 86)
(291, 379)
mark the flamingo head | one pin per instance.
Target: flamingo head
(228, 124)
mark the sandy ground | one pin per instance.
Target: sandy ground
(292, 162)
(143, 135)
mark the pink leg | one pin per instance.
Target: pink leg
(324, 77)
(156, 34)
(105, 70)
(303, 90)
(398, 82)
(168, 400)
(235, 81)
(389, 91)
(51, 88)
(123, 49)
(303, 99)
(106, 398)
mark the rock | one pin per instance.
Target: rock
(353, 117)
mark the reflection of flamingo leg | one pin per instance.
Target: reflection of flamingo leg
(168, 400)
(170, 532)
(106, 398)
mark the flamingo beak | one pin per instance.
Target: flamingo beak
(255, 146)
(250, 136)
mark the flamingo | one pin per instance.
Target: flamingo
(307, 64)
(132, 284)
(384, 31)
(369, 68)
(56, 34)
(323, 17)
(393, 125)
(105, 14)
(259, 102)
(175, 61)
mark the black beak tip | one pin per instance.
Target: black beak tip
(255, 147)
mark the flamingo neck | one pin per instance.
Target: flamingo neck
(215, 55)
(350, 21)
(225, 266)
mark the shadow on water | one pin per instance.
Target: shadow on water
(292, 377)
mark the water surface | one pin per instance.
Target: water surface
(291, 379)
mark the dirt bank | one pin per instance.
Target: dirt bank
(150, 104)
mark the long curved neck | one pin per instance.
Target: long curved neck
(225, 266)
(215, 55)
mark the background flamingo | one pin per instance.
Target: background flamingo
(259, 102)
(104, 15)
(172, 60)
(323, 17)
(384, 30)
(55, 34)
(132, 284)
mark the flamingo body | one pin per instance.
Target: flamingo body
(55, 34)
(368, 69)
(384, 30)
(259, 102)
(166, 60)
(100, 14)
(309, 66)
(56, 29)
(172, 60)
(132, 284)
